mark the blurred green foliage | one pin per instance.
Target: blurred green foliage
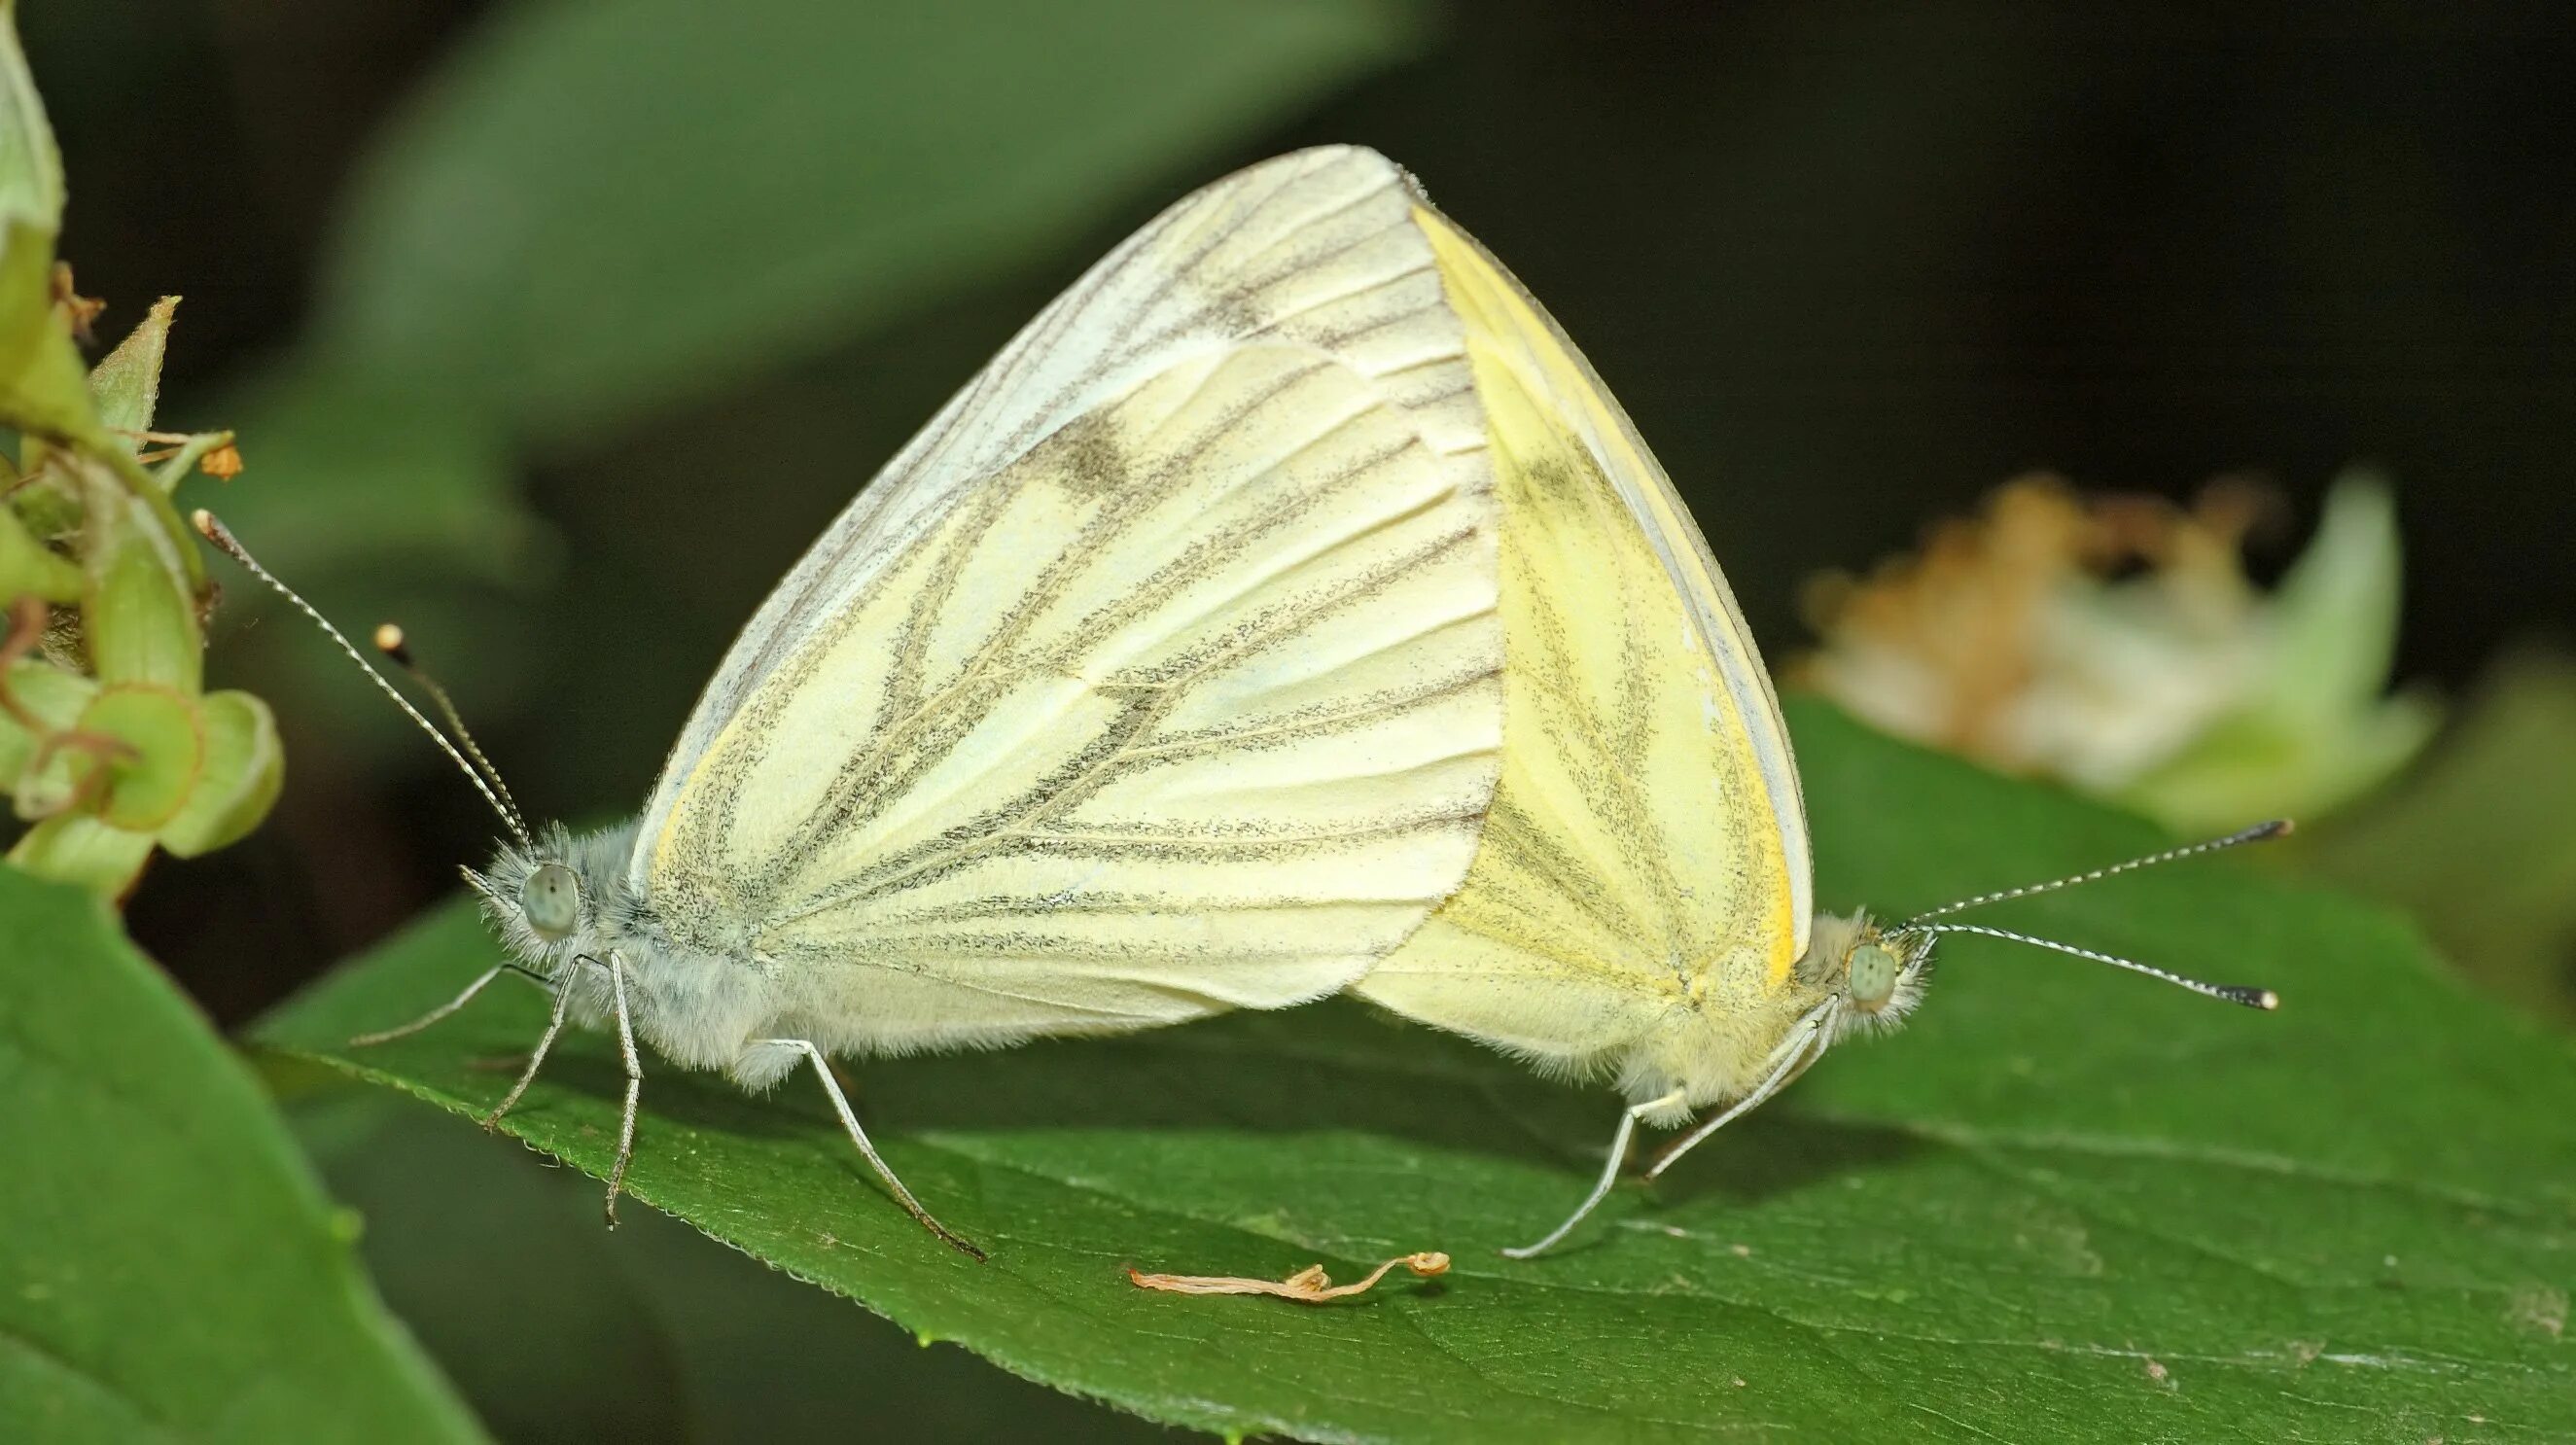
(557, 1329)
(109, 747)
(170, 1269)
(2480, 842)
(2048, 1205)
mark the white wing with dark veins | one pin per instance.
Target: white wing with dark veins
(1158, 675)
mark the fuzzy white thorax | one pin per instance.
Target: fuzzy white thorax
(1723, 1049)
(694, 1008)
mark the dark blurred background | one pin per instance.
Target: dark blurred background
(558, 330)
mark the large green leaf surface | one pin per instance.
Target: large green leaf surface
(2066, 1203)
(558, 1330)
(169, 1269)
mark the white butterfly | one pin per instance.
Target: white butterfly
(1158, 676)
(1641, 907)
(1163, 674)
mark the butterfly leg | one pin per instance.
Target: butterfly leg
(634, 1084)
(1803, 1047)
(859, 1136)
(536, 1060)
(1609, 1176)
(361, 1041)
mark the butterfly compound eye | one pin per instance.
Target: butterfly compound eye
(1873, 977)
(551, 899)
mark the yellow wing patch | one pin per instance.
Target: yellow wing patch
(1641, 861)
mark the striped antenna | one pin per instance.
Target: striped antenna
(2276, 828)
(217, 533)
(2262, 998)
(390, 641)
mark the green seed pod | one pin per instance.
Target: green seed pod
(139, 610)
(77, 848)
(53, 700)
(160, 751)
(243, 771)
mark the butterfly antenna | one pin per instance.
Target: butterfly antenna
(2278, 827)
(389, 640)
(217, 533)
(2262, 998)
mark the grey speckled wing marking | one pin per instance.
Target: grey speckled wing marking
(1158, 675)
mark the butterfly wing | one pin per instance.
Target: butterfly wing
(1157, 676)
(1648, 839)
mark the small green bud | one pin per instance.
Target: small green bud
(159, 749)
(77, 848)
(243, 772)
(53, 699)
(139, 611)
(126, 383)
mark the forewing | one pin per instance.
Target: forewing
(1648, 837)
(1314, 248)
(1175, 694)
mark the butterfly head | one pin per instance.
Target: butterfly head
(1872, 975)
(559, 897)
(550, 901)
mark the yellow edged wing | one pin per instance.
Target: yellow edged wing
(1641, 891)
(1159, 676)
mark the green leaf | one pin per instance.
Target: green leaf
(30, 568)
(350, 473)
(601, 206)
(2065, 1203)
(171, 1270)
(126, 383)
(654, 1334)
(31, 167)
(2478, 842)
(43, 388)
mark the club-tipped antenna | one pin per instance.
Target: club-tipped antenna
(389, 640)
(217, 533)
(2277, 827)
(2262, 998)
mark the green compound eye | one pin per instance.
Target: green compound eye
(1873, 977)
(551, 898)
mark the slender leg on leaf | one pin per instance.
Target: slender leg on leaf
(859, 1136)
(1609, 1176)
(1803, 1047)
(361, 1041)
(634, 1085)
(527, 1076)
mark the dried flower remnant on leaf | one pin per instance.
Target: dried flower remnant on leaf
(1307, 1286)
(2115, 644)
